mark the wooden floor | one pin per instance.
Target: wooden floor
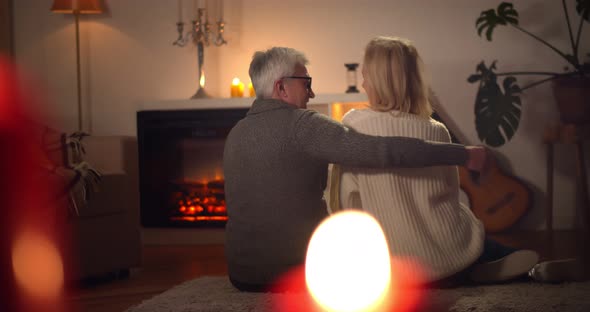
(167, 266)
(162, 268)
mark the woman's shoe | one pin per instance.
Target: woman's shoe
(515, 264)
(556, 271)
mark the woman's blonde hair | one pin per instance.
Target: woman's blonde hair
(396, 73)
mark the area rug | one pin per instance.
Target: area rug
(216, 294)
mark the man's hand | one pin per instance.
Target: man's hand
(479, 159)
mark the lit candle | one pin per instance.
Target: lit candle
(334, 255)
(180, 10)
(234, 87)
(251, 90)
(241, 89)
(237, 88)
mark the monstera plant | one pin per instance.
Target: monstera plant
(498, 106)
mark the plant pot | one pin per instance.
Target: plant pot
(572, 96)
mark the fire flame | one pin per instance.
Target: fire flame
(200, 201)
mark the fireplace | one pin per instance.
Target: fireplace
(180, 166)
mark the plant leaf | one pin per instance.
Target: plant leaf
(474, 78)
(497, 111)
(583, 8)
(507, 12)
(488, 20)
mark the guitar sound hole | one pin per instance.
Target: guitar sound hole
(506, 200)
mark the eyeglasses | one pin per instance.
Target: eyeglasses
(308, 85)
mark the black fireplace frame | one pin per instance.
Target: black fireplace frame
(185, 123)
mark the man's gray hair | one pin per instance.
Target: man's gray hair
(271, 65)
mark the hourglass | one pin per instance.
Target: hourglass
(351, 77)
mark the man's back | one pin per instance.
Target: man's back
(274, 194)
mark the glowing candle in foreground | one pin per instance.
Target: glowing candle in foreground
(37, 265)
(348, 263)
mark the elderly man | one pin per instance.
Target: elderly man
(276, 162)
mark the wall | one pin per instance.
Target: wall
(6, 41)
(128, 58)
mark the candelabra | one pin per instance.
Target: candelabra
(201, 35)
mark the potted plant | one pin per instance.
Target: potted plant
(498, 110)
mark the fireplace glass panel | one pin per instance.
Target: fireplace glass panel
(181, 171)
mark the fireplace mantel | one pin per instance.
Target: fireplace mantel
(221, 103)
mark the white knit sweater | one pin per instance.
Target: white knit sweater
(418, 208)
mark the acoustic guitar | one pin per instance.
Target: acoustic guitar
(499, 200)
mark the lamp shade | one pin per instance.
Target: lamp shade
(80, 6)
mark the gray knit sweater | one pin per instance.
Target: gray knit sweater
(275, 167)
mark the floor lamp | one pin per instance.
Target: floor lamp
(77, 7)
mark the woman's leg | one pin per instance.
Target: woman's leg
(493, 251)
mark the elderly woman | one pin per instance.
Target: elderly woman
(418, 208)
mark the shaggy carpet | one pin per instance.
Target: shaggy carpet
(216, 294)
